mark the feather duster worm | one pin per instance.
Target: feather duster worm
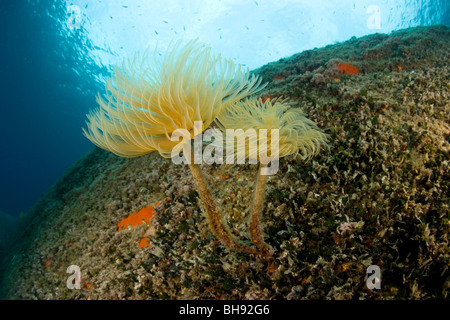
(147, 100)
(295, 134)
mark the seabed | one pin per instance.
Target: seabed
(379, 196)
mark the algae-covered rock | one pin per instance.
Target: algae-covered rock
(8, 225)
(379, 196)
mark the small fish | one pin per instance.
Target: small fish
(156, 32)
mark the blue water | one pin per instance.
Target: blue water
(43, 102)
(51, 71)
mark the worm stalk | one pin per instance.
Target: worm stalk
(215, 219)
(256, 233)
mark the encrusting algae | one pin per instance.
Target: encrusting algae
(347, 68)
(135, 219)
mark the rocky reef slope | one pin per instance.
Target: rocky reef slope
(379, 196)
